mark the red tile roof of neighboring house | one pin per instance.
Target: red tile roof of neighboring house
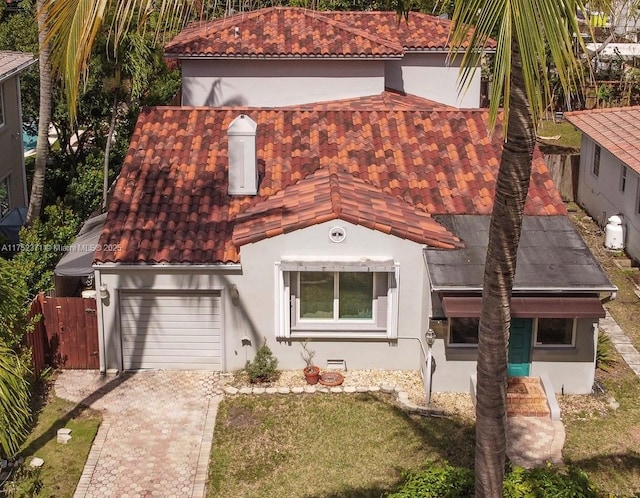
(616, 129)
(388, 170)
(289, 32)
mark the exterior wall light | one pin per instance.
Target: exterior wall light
(431, 337)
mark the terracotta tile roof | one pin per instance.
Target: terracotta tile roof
(418, 33)
(385, 169)
(616, 129)
(333, 193)
(14, 62)
(279, 32)
(389, 100)
(298, 32)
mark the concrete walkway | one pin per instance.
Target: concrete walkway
(621, 342)
(156, 435)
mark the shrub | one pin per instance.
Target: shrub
(444, 480)
(42, 245)
(605, 355)
(26, 482)
(547, 481)
(264, 366)
(441, 480)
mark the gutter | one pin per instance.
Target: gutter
(109, 267)
(610, 289)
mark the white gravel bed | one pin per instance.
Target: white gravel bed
(409, 381)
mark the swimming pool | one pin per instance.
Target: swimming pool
(29, 141)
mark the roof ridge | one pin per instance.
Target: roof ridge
(357, 31)
(334, 189)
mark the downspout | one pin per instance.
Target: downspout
(100, 315)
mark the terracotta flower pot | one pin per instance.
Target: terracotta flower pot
(312, 374)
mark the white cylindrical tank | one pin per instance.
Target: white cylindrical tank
(613, 234)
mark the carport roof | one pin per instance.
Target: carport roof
(551, 257)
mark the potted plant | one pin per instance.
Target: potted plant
(311, 372)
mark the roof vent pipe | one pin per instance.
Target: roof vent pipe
(243, 168)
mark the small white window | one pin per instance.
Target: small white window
(556, 332)
(596, 160)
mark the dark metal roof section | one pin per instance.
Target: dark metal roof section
(552, 257)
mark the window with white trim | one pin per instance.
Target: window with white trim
(463, 331)
(335, 296)
(337, 301)
(5, 201)
(596, 160)
(555, 332)
(623, 178)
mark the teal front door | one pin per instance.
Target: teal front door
(520, 347)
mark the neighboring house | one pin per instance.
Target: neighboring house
(284, 56)
(13, 183)
(609, 180)
(359, 224)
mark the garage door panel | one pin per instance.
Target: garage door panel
(181, 331)
(170, 340)
(157, 325)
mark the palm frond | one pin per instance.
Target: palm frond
(544, 32)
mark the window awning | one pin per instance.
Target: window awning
(528, 307)
(338, 264)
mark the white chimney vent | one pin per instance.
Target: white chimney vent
(243, 167)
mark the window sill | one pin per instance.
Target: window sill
(308, 333)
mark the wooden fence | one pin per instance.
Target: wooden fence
(65, 334)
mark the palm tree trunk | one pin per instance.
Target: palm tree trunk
(504, 235)
(44, 119)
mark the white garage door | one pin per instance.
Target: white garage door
(171, 331)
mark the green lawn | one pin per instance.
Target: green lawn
(568, 135)
(325, 446)
(63, 463)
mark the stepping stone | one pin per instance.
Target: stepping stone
(36, 462)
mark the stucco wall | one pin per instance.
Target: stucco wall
(429, 76)
(214, 83)
(12, 160)
(602, 196)
(253, 315)
(570, 368)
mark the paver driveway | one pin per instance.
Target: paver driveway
(156, 435)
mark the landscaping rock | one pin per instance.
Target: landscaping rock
(284, 390)
(64, 438)
(36, 462)
(271, 390)
(349, 389)
(258, 390)
(336, 390)
(310, 389)
(230, 390)
(387, 388)
(246, 390)
(297, 390)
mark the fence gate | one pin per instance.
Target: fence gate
(66, 336)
